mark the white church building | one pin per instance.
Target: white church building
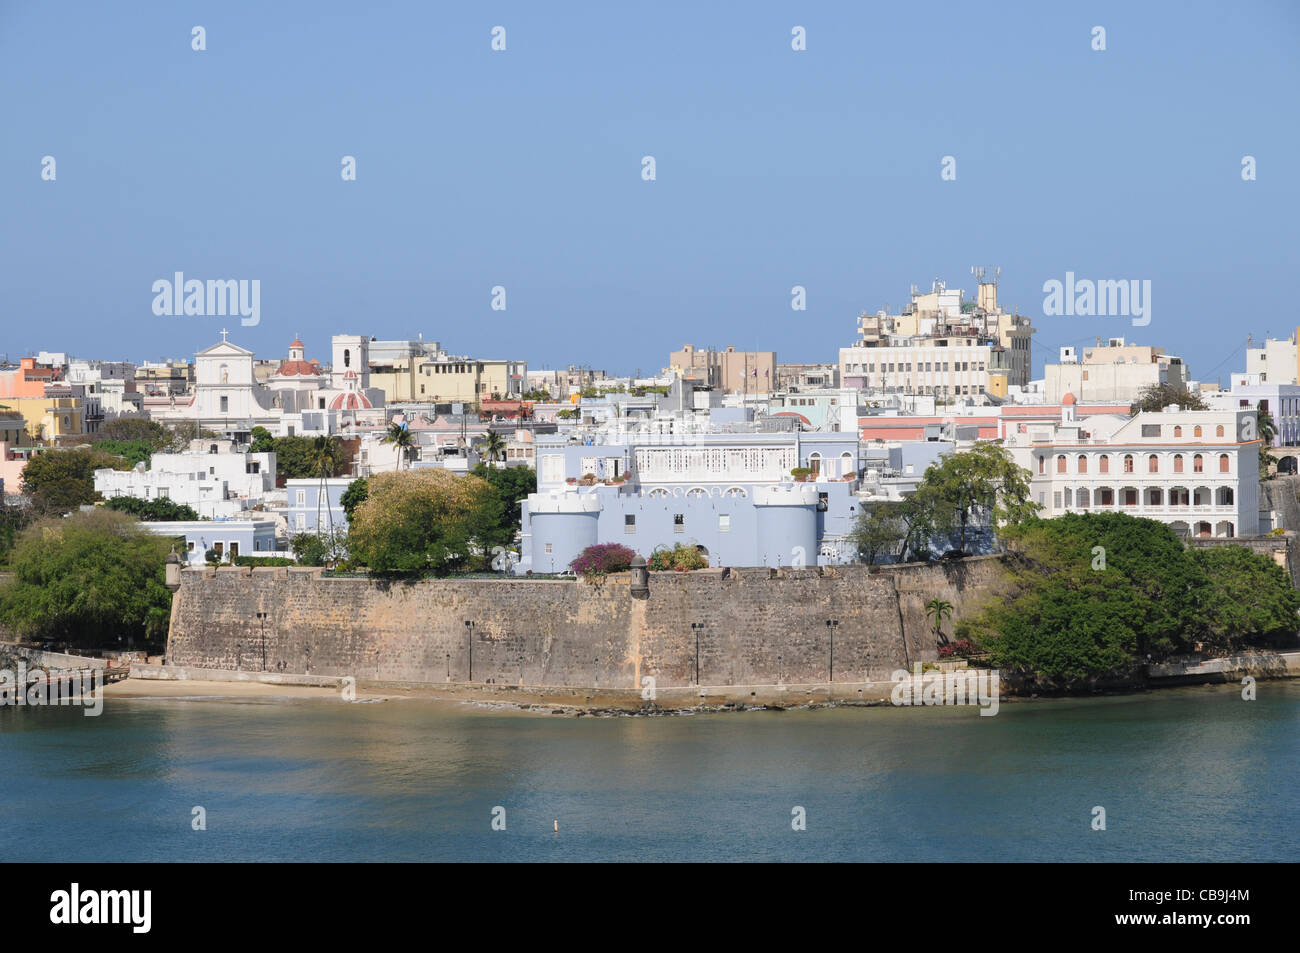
(298, 399)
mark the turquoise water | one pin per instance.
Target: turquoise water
(1185, 775)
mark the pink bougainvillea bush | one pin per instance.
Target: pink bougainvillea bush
(602, 558)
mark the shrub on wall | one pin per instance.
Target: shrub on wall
(680, 558)
(602, 558)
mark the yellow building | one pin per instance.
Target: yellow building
(50, 418)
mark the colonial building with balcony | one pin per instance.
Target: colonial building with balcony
(1198, 471)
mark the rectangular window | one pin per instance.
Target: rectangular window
(724, 523)
(302, 497)
(234, 550)
(1150, 430)
(1056, 500)
(679, 523)
(629, 523)
(189, 546)
(225, 404)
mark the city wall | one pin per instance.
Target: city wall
(760, 626)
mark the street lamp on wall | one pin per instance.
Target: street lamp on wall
(696, 627)
(831, 626)
(469, 638)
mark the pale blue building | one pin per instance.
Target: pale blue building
(731, 495)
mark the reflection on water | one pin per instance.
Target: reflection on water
(1195, 774)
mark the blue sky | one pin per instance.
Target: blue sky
(522, 169)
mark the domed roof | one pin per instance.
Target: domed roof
(1068, 400)
(298, 369)
(351, 400)
(296, 342)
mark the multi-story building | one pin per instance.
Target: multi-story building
(1115, 372)
(1280, 401)
(313, 505)
(165, 377)
(1275, 361)
(1190, 469)
(468, 380)
(943, 346)
(215, 477)
(730, 371)
(732, 496)
(797, 377)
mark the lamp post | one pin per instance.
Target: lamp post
(261, 617)
(469, 638)
(831, 626)
(696, 627)
(449, 666)
(521, 670)
(778, 670)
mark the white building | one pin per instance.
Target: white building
(212, 477)
(1274, 362)
(1190, 469)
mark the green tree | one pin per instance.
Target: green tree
(878, 530)
(494, 447)
(326, 459)
(62, 480)
(939, 609)
(512, 486)
(1091, 596)
(1266, 431)
(261, 441)
(401, 438)
(1248, 599)
(297, 458)
(90, 579)
(354, 496)
(134, 430)
(13, 520)
(425, 521)
(310, 549)
(152, 510)
(133, 451)
(1157, 397)
(980, 486)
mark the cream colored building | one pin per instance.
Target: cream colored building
(730, 371)
(1275, 362)
(1113, 373)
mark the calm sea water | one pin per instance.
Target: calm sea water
(1192, 774)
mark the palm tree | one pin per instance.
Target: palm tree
(401, 438)
(493, 446)
(939, 609)
(326, 458)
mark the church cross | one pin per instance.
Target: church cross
(224, 332)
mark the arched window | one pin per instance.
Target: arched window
(1042, 464)
(1178, 463)
(1153, 464)
(1197, 431)
(1178, 431)
(1198, 464)
(736, 491)
(1223, 463)
(1218, 431)
(347, 357)
(815, 464)
(1083, 463)
(1083, 499)
(1060, 463)
(1128, 463)
(1103, 464)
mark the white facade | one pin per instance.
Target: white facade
(1275, 362)
(1189, 469)
(211, 477)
